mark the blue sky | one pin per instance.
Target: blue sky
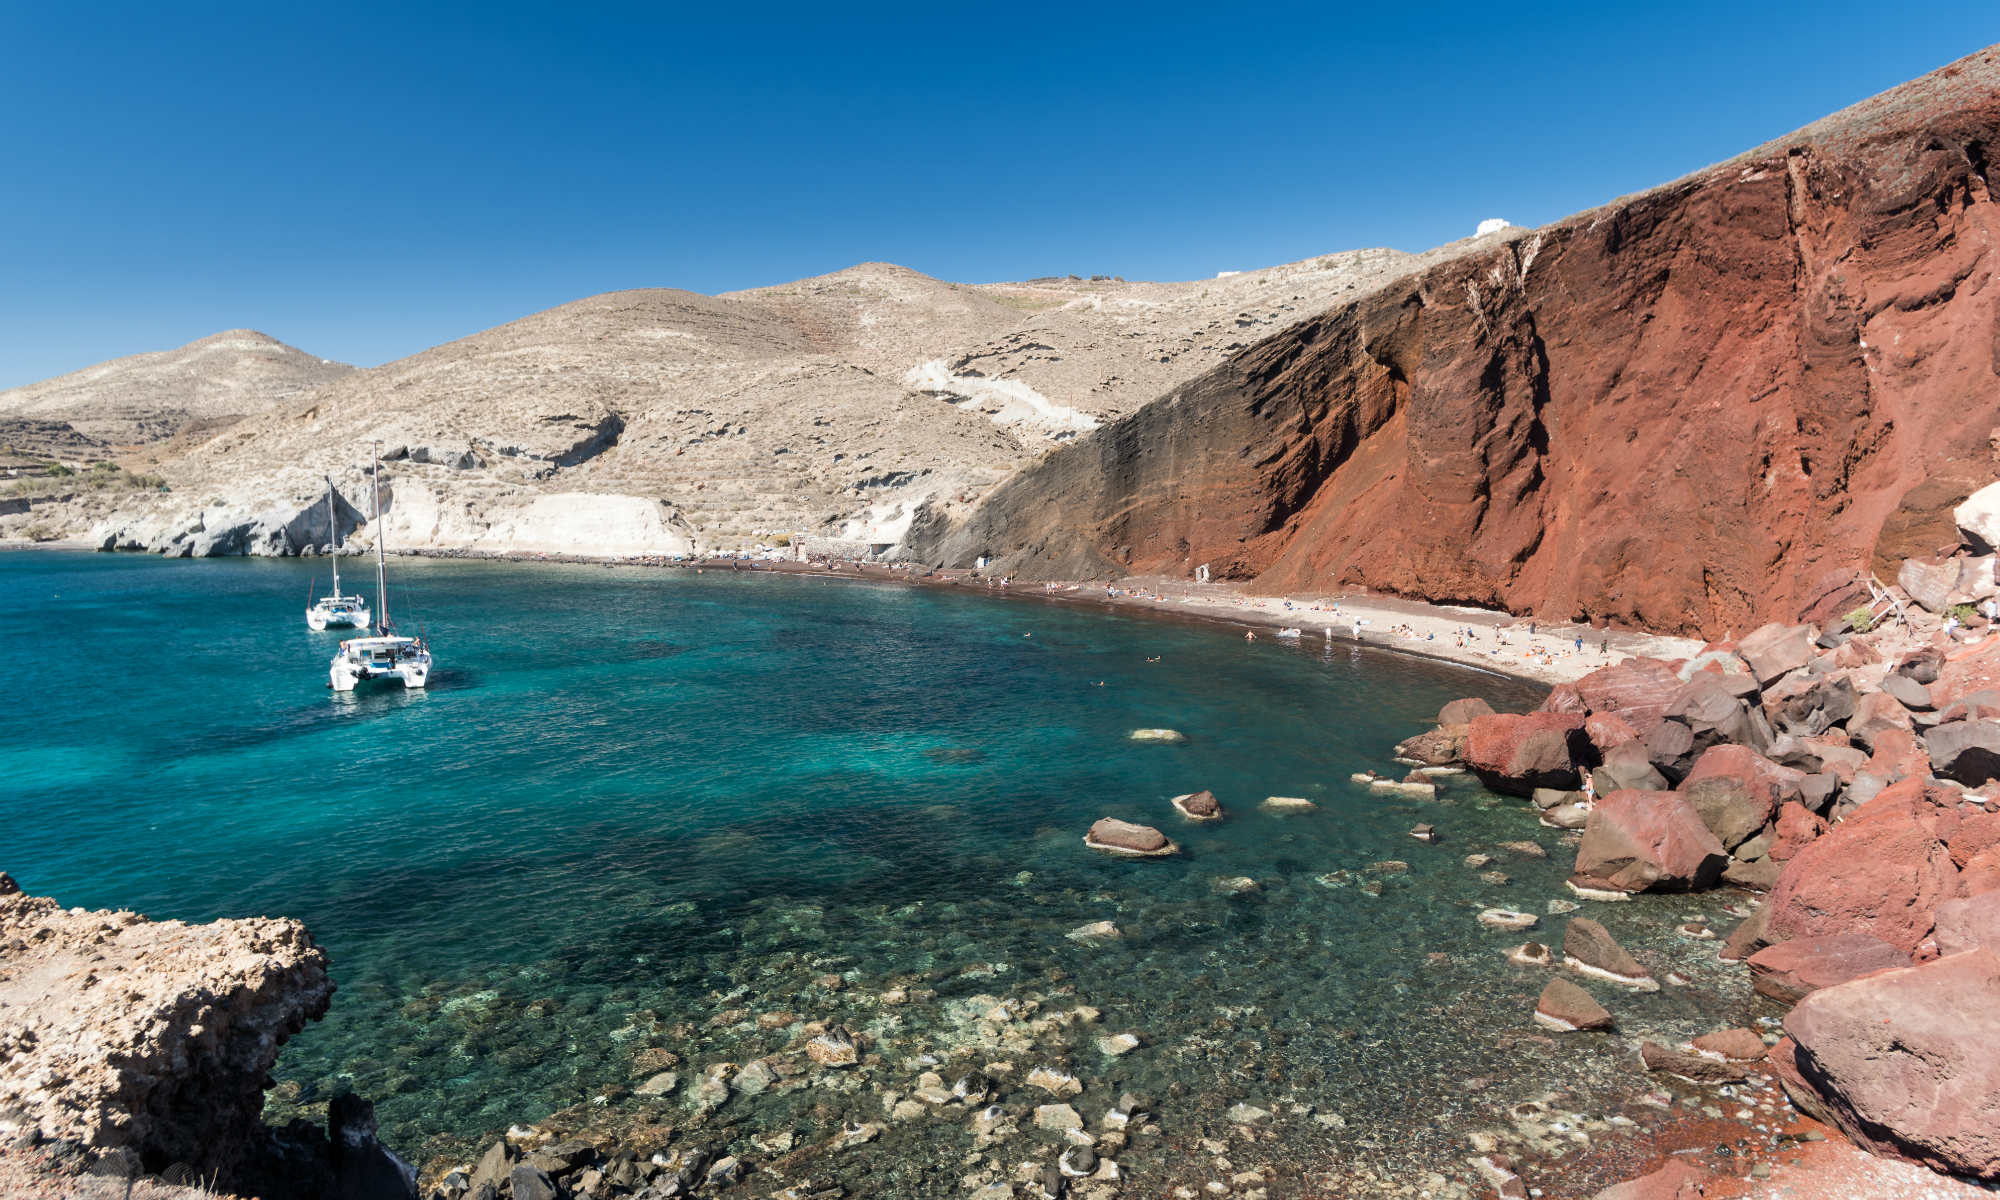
(365, 181)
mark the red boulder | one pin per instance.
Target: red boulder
(1903, 1062)
(1789, 971)
(1517, 754)
(1636, 689)
(1737, 791)
(1638, 841)
(1883, 877)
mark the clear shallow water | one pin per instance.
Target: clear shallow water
(638, 808)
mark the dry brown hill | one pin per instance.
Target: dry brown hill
(833, 406)
(152, 397)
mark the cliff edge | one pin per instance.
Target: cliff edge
(1681, 411)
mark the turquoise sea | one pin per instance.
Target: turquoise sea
(639, 809)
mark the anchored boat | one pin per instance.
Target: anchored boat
(336, 611)
(386, 654)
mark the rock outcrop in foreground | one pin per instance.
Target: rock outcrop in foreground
(1680, 411)
(146, 1042)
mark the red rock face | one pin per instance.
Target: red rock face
(1681, 411)
(1790, 971)
(1903, 1061)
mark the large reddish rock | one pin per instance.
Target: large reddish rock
(1679, 411)
(1975, 835)
(1789, 971)
(1904, 1061)
(1969, 923)
(1639, 841)
(1797, 828)
(1114, 836)
(1929, 581)
(1628, 766)
(1981, 874)
(1567, 1008)
(1875, 713)
(1516, 754)
(1774, 651)
(1737, 791)
(1636, 689)
(1884, 876)
(1462, 712)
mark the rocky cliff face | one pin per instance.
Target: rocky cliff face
(145, 1039)
(1679, 411)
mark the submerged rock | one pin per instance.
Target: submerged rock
(1171, 737)
(1508, 919)
(1286, 804)
(1567, 1008)
(1589, 949)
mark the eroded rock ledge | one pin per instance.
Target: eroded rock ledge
(147, 1042)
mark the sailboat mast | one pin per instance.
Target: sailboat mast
(333, 535)
(381, 572)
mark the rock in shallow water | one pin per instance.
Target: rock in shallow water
(1113, 836)
(1567, 1008)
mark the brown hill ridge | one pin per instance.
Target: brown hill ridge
(1681, 411)
(151, 397)
(834, 406)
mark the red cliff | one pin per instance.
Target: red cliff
(1680, 411)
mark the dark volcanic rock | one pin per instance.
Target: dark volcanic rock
(1968, 751)
(1737, 791)
(1904, 1062)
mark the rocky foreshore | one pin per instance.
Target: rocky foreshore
(1848, 768)
(135, 1050)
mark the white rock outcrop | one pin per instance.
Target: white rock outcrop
(1979, 519)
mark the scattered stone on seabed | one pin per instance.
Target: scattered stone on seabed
(1249, 1114)
(1589, 949)
(1287, 804)
(1478, 862)
(1117, 1044)
(1097, 933)
(1695, 930)
(1410, 789)
(1567, 1008)
(1526, 849)
(1054, 1082)
(1496, 878)
(1692, 1067)
(1733, 1045)
(1531, 954)
(834, 1048)
(1198, 806)
(1233, 885)
(1113, 836)
(1425, 833)
(1498, 1172)
(1057, 1118)
(1559, 906)
(1172, 737)
(1508, 919)
(659, 1085)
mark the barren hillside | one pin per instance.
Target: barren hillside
(834, 407)
(152, 397)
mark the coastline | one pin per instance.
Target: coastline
(1501, 643)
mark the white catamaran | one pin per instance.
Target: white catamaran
(336, 611)
(385, 655)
